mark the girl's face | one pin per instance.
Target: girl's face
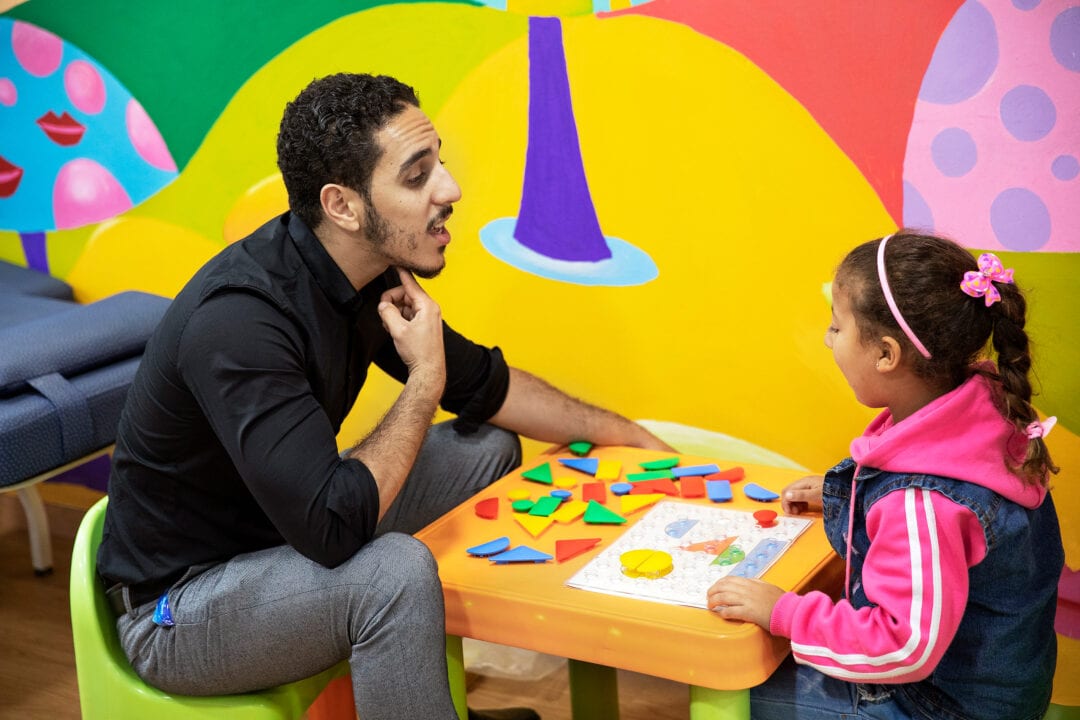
(856, 360)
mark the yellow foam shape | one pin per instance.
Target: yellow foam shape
(650, 564)
(632, 503)
(534, 524)
(519, 494)
(570, 511)
(261, 202)
(565, 483)
(609, 470)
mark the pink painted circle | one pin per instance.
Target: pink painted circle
(146, 139)
(38, 51)
(84, 87)
(8, 94)
(996, 130)
(84, 193)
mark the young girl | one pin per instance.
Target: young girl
(942, 513)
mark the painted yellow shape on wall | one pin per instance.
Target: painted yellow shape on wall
(138, 254)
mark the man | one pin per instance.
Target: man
(241, 551)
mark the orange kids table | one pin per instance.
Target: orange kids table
(528, 605)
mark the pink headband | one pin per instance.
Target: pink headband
(892, 303)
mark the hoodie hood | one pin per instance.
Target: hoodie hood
(959, 435)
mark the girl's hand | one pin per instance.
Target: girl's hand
(803, 495)
(737, 598)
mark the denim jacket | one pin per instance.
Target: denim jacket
(1000, 665)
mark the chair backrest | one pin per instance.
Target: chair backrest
(99, 660)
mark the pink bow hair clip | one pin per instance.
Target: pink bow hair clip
(980, 283)
(1038, 429)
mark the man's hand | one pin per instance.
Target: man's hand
(803, 495)
(738, 598)
(414, 321)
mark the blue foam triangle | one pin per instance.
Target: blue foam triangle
(522, 553)
(585, 465)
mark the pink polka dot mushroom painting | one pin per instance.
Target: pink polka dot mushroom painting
(77, 147)
(993, 157)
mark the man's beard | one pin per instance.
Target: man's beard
(378, 232)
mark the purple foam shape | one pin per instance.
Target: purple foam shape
(557, 217)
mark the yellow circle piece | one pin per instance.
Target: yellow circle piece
(519, 494)
(565, 483)
(649, 564)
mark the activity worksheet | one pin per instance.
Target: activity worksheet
(677, 550)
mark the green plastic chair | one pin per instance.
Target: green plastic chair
(110, 690)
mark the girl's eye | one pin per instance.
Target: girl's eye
(834, 329)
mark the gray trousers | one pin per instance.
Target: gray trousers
(273, 616)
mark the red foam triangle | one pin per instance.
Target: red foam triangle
(566, 549)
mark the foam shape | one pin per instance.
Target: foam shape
(663, 464)
(545, 506)
(756, 492)
(609, 470)
(649, 475)
(534, 524)
(491, 547)
(734, 474)
(715, 546)
(645, 563)
(589, 466)
(633, 503)
(692, 486)
(661, 485)
(680, 527)
(563, 495)
(621, 488)
(565, 483)
(522, 553)
(580, 448)
(540, 474)
(570, 511)
(594, 491)
(765, 518)
(597, 514)
(488, 509)
(696, 470)
(519, 494)
(718, 490)
(567, 549)
(522, 506)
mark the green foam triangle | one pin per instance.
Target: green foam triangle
(540, 474)
(600, 515)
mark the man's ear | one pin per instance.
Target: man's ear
(890, 353)
(342, 206)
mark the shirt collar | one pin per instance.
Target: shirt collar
(326, 272)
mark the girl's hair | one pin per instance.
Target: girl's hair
(924, 274)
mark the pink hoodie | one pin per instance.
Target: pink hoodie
(919, 541)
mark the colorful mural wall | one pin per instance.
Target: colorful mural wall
(654, 192)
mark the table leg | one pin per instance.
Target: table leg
(455, 667)
(594, 691)
(707, 704)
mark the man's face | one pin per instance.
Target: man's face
(411, 196)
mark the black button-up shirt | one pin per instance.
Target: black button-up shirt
(227, 441)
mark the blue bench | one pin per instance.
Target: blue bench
(65, 369)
